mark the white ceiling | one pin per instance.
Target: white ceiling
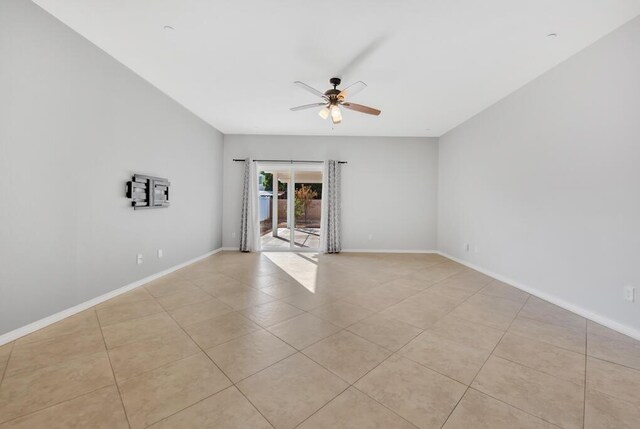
(435, 63)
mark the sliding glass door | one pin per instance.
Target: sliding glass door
(273, 215)
(290, 199)
(307, 200)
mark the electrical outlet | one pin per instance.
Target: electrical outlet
(467, 246)
(629, 293)
(370, 236)
(139, 258)
(159, 253)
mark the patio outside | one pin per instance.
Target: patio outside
(307, 210)
(307, 237)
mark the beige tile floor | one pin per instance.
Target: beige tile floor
(290, 340)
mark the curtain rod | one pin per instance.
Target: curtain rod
(290, 161)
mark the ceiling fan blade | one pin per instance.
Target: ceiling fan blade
(352, 89)
(362, 109)
(307, 106)
(309, 88)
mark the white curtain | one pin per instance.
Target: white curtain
(249, 223)
(331, 208)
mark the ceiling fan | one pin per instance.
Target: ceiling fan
(334, 98)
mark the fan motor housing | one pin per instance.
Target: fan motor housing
(332, 94)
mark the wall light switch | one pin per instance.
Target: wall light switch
(159, 253)
(233, 235)
(629, 293)
(467, 246)
(139, 258)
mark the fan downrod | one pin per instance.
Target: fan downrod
(332, 94)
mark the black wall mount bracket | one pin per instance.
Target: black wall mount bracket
(148, 192)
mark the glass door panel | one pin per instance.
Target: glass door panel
(307, 208)
(272, 209)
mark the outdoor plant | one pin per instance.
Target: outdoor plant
(267, 183)
(304, 195)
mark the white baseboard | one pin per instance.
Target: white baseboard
(39, 324)
(347, 250)
(387, 251)
(594, 317)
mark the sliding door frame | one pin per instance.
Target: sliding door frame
(291, 211)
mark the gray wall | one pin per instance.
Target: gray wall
(74, 125)
(389, 186)
(545, 184)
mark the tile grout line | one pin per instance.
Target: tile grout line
(76, 396)
(191, 324)
(135, 318)
(202, 350)
(346, 381)
(323, 405)
(538, 370)
(388, 357)
(500, 400)
(430, 369)
(204, 399)
(346, 328)
(423, 330)
(617, 398)
(56, 404)
(42, 340)
(301, 351)
(174, 293)
(6, 368)
(261, 328)
(485, 361)
(469, 385)
(365, 374)
(379, 345)
(173, 361)
(383, 405)
(68, 399)
(408, 298)
(546, 342)
(266, 367)
(220, 369)
(115, 380)
(397, 352)
(614, 363)
(514, 407)
(430, 326)
(556, 324)
(349, 385)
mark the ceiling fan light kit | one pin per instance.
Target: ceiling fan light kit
(334, 98)
(336, 115)
(324, 112)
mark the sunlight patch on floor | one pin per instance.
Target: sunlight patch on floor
(302, 267)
